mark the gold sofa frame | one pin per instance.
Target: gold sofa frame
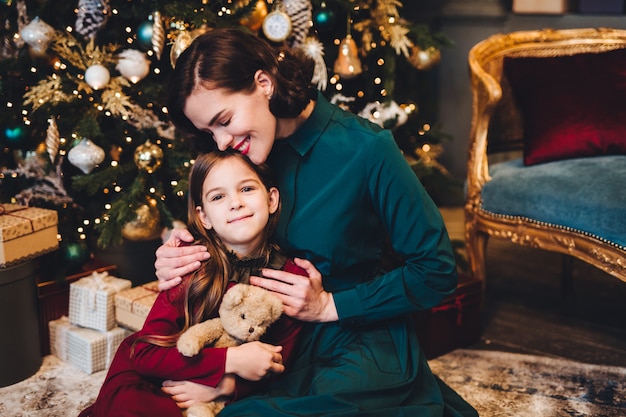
(496, 132)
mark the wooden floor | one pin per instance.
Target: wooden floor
(525, 310)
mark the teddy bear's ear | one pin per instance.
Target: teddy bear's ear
(234, 296)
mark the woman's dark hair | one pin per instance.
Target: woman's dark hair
(206, 287)
(228, 58)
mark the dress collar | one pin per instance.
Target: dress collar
(242, 269)
(303, 139)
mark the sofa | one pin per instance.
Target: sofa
(547, 148)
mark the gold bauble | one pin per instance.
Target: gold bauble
(146, 226)
(148, 157)
(254, 20)
(348, 64)
(424, 59)
(182, 42)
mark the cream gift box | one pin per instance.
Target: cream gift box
(133, 305)
(26, 232)
(540, 6)
(87, 349)
(92, 302)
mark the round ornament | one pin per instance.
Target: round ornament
(86, 155)
(38, 35)
(254, 20)
(15, 135)
(324, 19)
(144, 35)
(74, 254)
(97, 76)
(148, 157)
(145, 226)
(424, 59)
(133, 65)
(277, 26)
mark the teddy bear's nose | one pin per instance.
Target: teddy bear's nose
(251, 330)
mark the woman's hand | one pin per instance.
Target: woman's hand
(187, 393)
(254, 360)
(303, 297)
(175, 259)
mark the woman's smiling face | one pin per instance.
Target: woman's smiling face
(236, 120)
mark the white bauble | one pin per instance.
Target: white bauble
(133, 65)
(86, 155)
(97, 76)
(38, 35)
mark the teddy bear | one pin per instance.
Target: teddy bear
(245, 314)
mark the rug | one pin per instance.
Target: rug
(497, 384)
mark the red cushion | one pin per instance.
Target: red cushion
(572, 106)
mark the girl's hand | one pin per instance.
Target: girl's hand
(175, 259)
(303, 297)
(187, 393)
(254, 360)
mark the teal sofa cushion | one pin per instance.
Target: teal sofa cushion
(586, 194)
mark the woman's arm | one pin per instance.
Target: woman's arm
(417, 234)
(176, 258)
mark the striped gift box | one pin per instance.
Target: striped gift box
(92, 302)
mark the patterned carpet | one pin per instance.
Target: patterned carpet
(495, 383)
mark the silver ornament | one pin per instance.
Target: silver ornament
(86, 155)
(301, 14)
(91, 16)
(158, 34)
(38, 35)
(133, 65)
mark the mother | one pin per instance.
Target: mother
(345, 186)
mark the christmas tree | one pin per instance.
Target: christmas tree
(84, 129)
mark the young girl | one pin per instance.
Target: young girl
(233, 210)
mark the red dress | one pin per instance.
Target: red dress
(132, 386)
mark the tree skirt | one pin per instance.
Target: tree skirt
(497, 384)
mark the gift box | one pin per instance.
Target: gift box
(601, 6)
(54, 298)
(87, 349)
(133, 305)
(92, 303)
(540, 6)
(455, 323)
(25, 233)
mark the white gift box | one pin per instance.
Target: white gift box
(92, 302)
(87, 349)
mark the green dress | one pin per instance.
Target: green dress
(345, 186)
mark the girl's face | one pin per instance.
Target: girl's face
(236, 204)
(239, 121)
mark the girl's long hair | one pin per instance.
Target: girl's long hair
(228, 58)
(206, 286)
